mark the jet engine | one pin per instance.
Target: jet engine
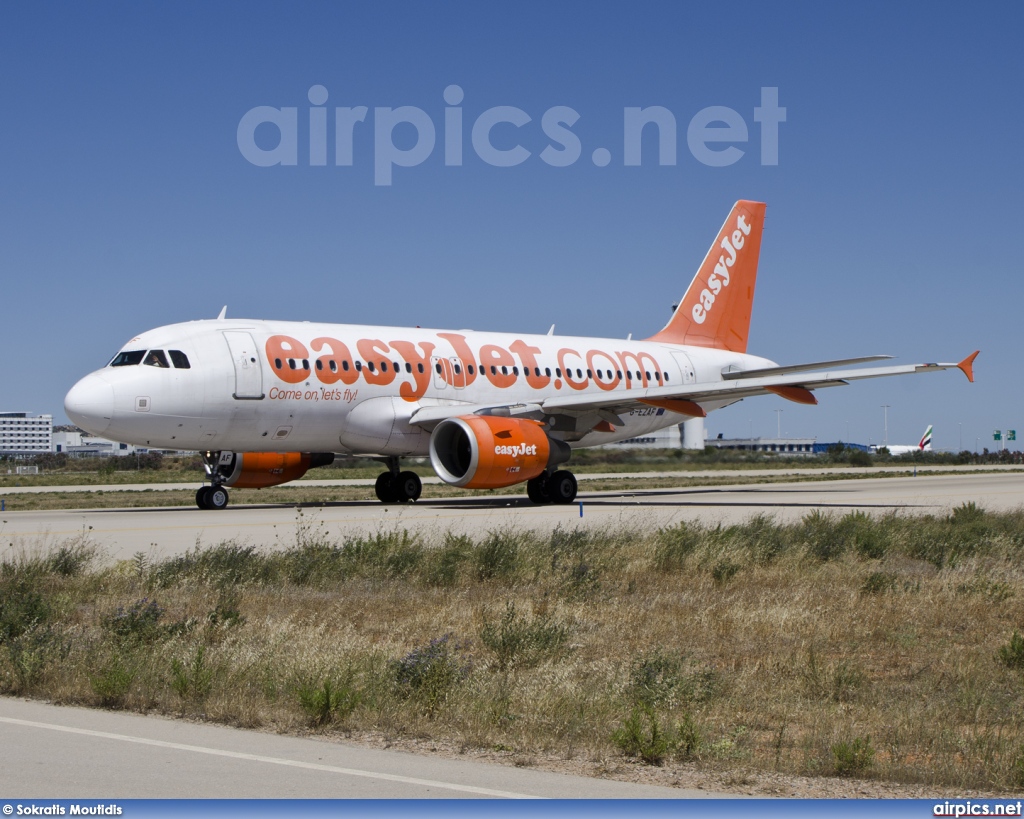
(256, 470)
(489, 452)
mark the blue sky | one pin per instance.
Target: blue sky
(894, 212)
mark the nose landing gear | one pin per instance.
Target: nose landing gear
(212, 497)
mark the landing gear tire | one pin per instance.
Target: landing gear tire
(407, 487)
(561, 486)
(202, 494)
(537, 489)
(216, 497)
(385, 488)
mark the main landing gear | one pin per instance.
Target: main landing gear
(212, 497)
(558, 487)
(394, 486)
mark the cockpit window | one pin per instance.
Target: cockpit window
(156, 358)
(180, 360)
(128, 359)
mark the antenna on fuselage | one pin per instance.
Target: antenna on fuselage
(551, 330)
(223, 312)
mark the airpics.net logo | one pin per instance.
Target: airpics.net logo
(269, 136)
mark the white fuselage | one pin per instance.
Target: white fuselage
(298, 386)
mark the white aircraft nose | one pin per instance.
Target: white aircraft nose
(90, 404)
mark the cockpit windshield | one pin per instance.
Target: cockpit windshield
(128, 359)
(156, 358)
(152, 358)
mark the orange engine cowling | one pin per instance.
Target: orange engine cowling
(256, 470)
(488, 451)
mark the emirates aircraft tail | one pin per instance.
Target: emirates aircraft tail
(715, 311)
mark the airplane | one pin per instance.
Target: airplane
(265, 401)
(924, 445)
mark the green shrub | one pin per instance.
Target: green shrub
(674, 544)
(724, 570)
(853, 758)
(497, 557)
(1012, 654)
(139, 621)
(192, 680)
(641, 736)
(113, 680)
(518, 642)
(328, 701)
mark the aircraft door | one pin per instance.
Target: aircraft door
(685, 367)
(246, 359)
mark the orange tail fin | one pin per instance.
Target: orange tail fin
(715, 312)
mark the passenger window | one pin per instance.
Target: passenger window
(291, 363)
(319, 364)
(437, 367)
(469, 369)
(419, 367)
(515, 371)
(618, 374)
(359, 366)
(179, 360)
(589, 375)
(458, 370)
(547, 372)
(558, 371)
(305, 364)
(129, 359)
(408, 367)
(344, 366)
(156, 358)
(369, 366)
(666, 377)
(398, 369)
(277, 363)
(383, 366)
(334, 366)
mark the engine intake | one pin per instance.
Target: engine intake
(489, 452)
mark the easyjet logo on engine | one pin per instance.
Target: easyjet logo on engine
(721, 276)
(518, 449)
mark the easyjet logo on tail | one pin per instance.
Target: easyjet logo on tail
(731, 245)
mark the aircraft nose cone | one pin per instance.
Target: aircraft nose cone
(90, 404)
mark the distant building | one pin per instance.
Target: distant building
(24, 435)
(796, 447)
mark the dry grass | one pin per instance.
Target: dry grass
(836, 646)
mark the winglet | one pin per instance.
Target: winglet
(967, 365)
(223, 312)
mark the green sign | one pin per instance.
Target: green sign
(1011, 435)
(997, 435)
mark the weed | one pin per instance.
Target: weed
(853, 758)
(519, 642)
(674, 545)
(642, 736)
(724, 570)
(192, 680)
(879, 583)
(838, 682)
(445, 563)
(431, 672)
(688, 739)
(497, 558)
(1012, 654)
(113, 680)
(226, 564)
(137, 622)
(328, 701)
(226, 612)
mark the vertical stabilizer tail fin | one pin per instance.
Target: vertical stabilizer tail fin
(926, 440)
(715, 311)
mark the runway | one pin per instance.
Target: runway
(161, 532)
(89, 753)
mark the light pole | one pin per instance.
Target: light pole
(960, 431)
(885, 440)
(778, 418)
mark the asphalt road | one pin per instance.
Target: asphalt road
(160, 532)
(51, 752)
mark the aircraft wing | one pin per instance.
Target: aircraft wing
(790, 382)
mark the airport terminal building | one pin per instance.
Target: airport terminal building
(24, 435)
